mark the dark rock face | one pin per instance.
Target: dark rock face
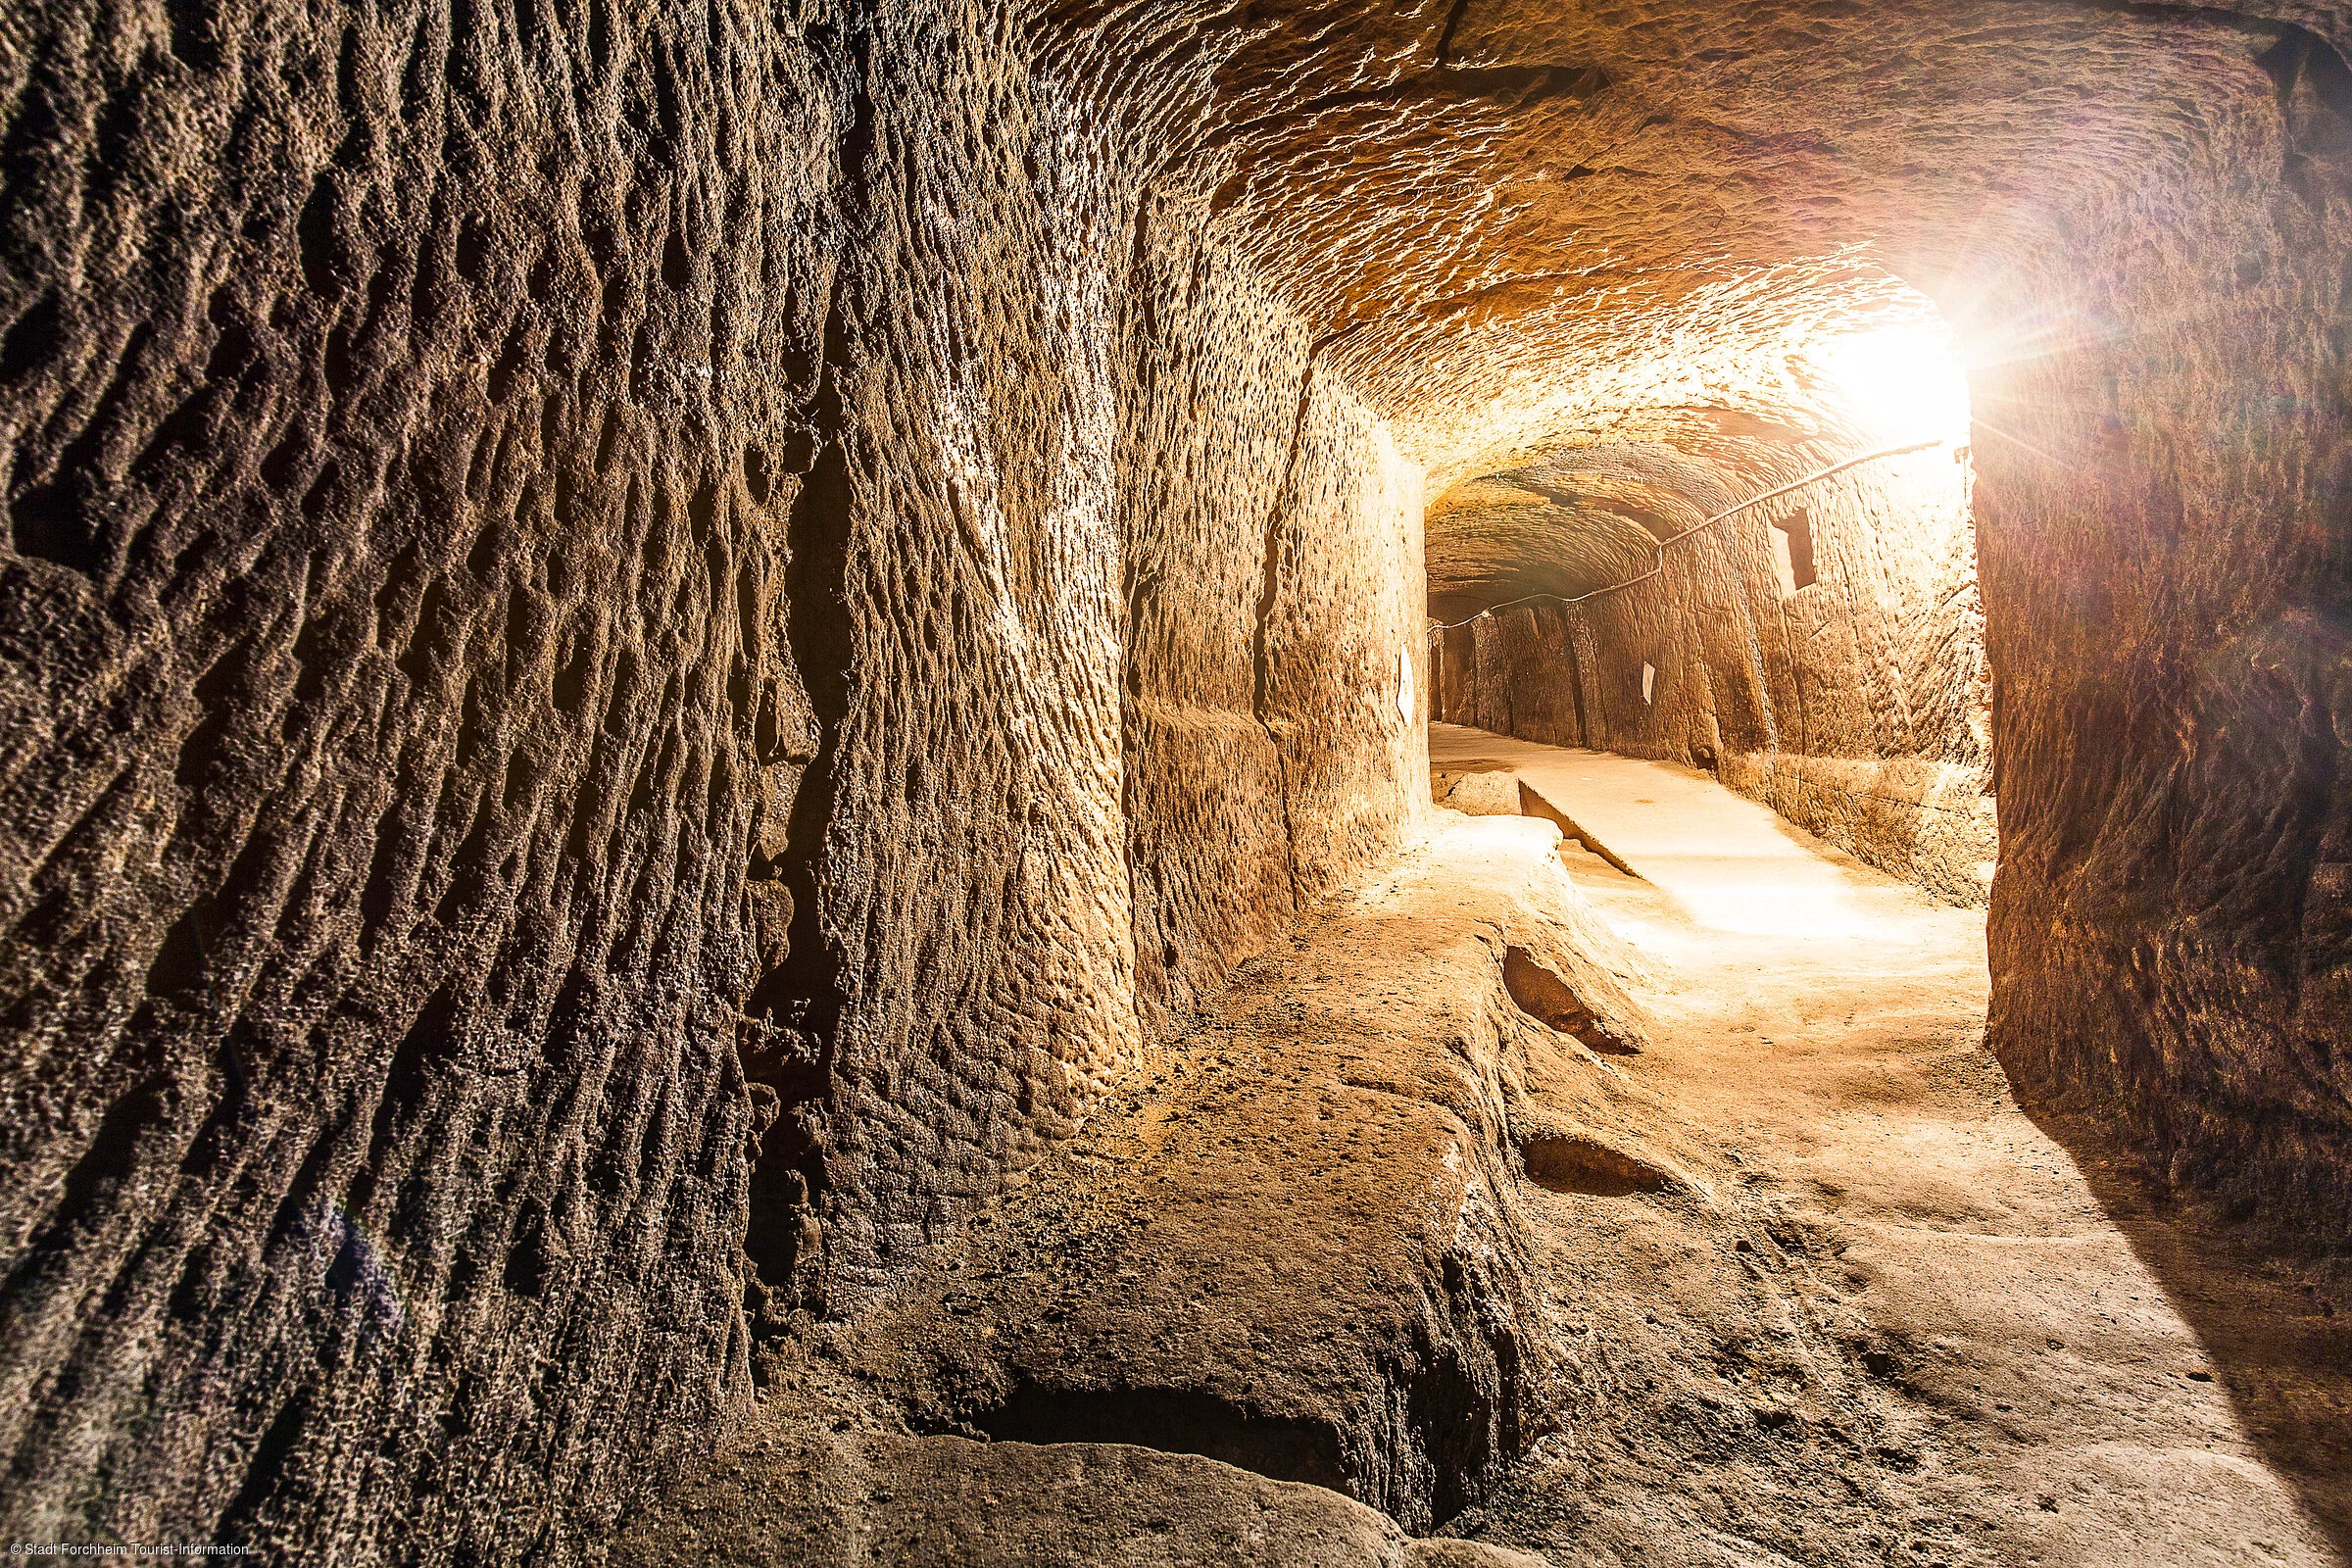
(2168, 622)
(404, 410)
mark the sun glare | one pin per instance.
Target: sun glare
(1899, 383)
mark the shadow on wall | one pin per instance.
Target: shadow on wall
(2273, 1313)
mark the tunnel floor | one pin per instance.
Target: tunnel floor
(2085, 1372)
(1672, 1217)
(1728, 863)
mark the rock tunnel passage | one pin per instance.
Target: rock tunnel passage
(720, 727)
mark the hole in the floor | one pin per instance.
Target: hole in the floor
(1174, 1421)
(1543, 995)
(1569, 1164)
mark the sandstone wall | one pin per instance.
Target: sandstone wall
(1855, 705)
(591, 609)
(400, 422)
(638, 647)
(1275, 679)
(1128, 580)
(2167, 568)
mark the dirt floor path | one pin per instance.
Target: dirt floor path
(1912, 1324)
(1519, 1209)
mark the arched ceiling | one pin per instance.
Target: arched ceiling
(1571, 520)
(1589, 258)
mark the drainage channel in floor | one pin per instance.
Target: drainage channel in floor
(1173, 1421)
(1584, 1166)
(1543, 993)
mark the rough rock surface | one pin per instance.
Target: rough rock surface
(401, 419)
(1126, 579)
(892, 1500)
(1289, 1240)
(595, 610)
(641, 650)
(1795, 1282)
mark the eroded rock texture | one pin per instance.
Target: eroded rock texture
(577, 748)
(1130, 584)
(642, 647)
(401, 418)
(2169, 627)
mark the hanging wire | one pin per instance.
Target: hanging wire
(1698, 527)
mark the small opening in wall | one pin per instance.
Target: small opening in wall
(1649, 682)
(1792, 552)
(1175, 1421)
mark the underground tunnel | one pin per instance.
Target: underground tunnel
(920, 781)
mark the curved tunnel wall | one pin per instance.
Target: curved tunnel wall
(633, 638)
(405, 416)
(2167, 562)
(639, 650)
(1128, 578)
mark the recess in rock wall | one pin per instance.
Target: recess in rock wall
(1792, 552)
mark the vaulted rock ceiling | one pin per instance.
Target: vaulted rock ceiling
(1531, 230)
